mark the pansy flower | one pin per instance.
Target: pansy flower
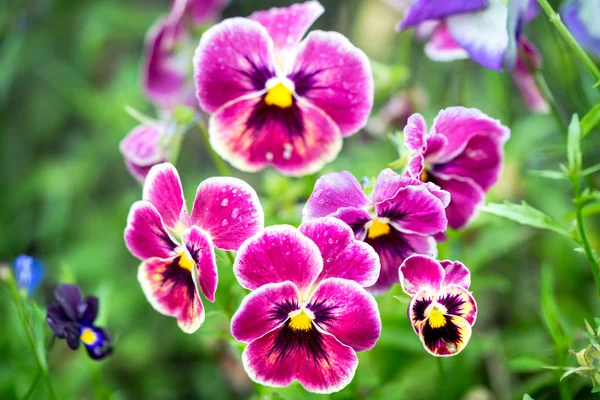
(145, 146)
(462, 153)
(581, 17)
(441, 311)
(487, 31)
(28, 273)
(308, 313)
(177, 248)
(73, 319)
(275, 100)
(401, 218)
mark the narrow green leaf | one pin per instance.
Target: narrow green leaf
(590, 170)
(574, 146)
(524, 214)
(596, 389)
(527, 397)
(548, 174)
(526, 364)
(590, 120)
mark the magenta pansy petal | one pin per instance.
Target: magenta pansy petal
(234, 58)
(438, 192)
(343, 256)
(261, 310)
(415, 133)
(466, 198)
(277, 254)
(334, 191)
(344, 309)
(229, 209)
(335, 76)
(202, 11)
(327, 368)
(163, 189)
(441, 46)
(458, 301)
(170, 289)
(425, 10)
(297, 140)
(456, 273)
(287, 25)
(420, 272)
(141, 145)
(416, 166)
(145, 234)
(201, 250)
(388, 184)
(137, 171)
(458, 125)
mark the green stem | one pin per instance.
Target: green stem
(583, 236)
(230, 256)
(218, 161)
(545, 89)
(443, 377)
(562, 29)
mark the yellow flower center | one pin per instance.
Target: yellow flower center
(279, 96)
(437, 319)
(424, 176)
(185, 261)
(88, 336)
(378, 229)
(301, 322)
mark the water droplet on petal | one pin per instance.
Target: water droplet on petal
(235, 213)
(330, 241)
(225, 202)
(224, 222)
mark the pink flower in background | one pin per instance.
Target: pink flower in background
(401, 218)
(177, 249)
(145, 146)
(394, 114)
(462, 153)
(441, 311)
(276, 100)
(307, 314)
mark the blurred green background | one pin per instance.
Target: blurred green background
(68, 68)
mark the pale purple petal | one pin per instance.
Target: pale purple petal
(200, 247)
(581, 18)
(441, 46)
(263, 310)
(456, 274)
(277, 254)
(334, 191)
(229, 209)
(163, 189)
(141, 145)
(424, 10)
(466, 199)
(415, 133)
(343, 256)
(420, 272)
(344, 309)
(298, 140)
(234, 58)
(416, 166)
(145, 234)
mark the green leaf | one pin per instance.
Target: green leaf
(574, 146)
(548, 174)
(526, 364)
(596, 389)
(524, 214)
(527, 397)
(590, 170)
(590, 120)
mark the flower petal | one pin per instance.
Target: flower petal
(345, 310)
(69, 299)
(458, 125)
(171, 291)
(28, 273)
(61, 324)
(447, 341)
(89, 310)
(580, 18)
(163, 189)
(263, 310)
(200, 247)
(277, 254)
(343, 256)
(459, 302)
(525, 80)
(335, 76)
(234, 58)
(334, 191)
(102, 346)
(141, 145)
(415, 133)
(419, 272)
(145, 234)
(441, 46)
(317, 360)
(483, 34)
(466, 199)
(287, 25)
(297, 140)
(229, 209)
(137, 171)
(203, 11)
(425, 10)
(456, 274)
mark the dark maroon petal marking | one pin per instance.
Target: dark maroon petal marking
(419, 307)
(439, 338)
(293, 343)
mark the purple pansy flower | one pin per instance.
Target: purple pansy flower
(462, 153)
(401, 218)
(276, 100)
(28, 273)
(308, 313)
(441, 311)
(144, 147)
(177, 248)
(73, 319)
(581, 17)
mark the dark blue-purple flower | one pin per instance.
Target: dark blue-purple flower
(28, 273)
(73, 319)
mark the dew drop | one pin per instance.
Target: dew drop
(317, 193)
(269, 156)
(225, 202)
(235, 213)
(330, 241)
(224, 222)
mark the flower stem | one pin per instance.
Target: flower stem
(562, 29)
(230, 256)
(443, 377)
(218, 161)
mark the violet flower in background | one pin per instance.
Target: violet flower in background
(29, 273)
(582, 18)
(275, 100)
(461, 153)
(308, 313)
(442, 310)
(177, 249)
(401, 218)
(73, 319)
(146, 145)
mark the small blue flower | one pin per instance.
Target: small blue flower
(28, 273)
